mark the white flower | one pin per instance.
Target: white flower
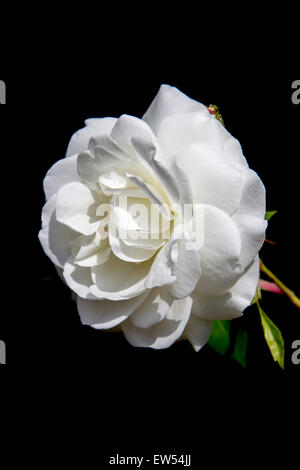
(157, 282)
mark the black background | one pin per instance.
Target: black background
(39, 320)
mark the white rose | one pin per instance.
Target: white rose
(156, 286)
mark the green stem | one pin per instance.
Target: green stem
(292, 296)
(256, 301)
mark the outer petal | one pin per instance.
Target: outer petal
(105, 314)
(163, 334)
(169, 100)
(76, 208)
(186, 196)
(220, 253)
(56, 239)
(197, 331)
(250, 215)
(252, 231)
(80, 140)
(233, 149)
(179, 131)
(253, 196)
(154, 309)
(213, 180)
(62, 172)
(232, 304)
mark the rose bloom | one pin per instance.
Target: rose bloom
(160, 280)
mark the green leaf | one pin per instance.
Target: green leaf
(220, 336)
(269, 214)
(240, 347)
(273, 337)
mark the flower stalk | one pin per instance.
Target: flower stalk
(292, 296)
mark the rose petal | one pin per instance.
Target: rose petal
(187, 269)
(220, 253)
(197, 331)
(154, 309)
(130, 253)
(85, 246)
(78, 279)
(253, 196)
(76, 208)
(99, 257)
(105, 314)
(233, 150)
(62, 172)
(107, 148)
(138, 218)
(129, 127)
(250, 216)
(231, 304)
(213, 180)
(108, 156)
(55, 238)
(153, 194)
(162, 271)
(80, 140)
(119, 280)
(125, 252)
(169, 100)
(183, 183)
(146, 244)
(160, 172)
(135, 137)
(162, 334)
(252, 231)
(180, 131)
(91, 167)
